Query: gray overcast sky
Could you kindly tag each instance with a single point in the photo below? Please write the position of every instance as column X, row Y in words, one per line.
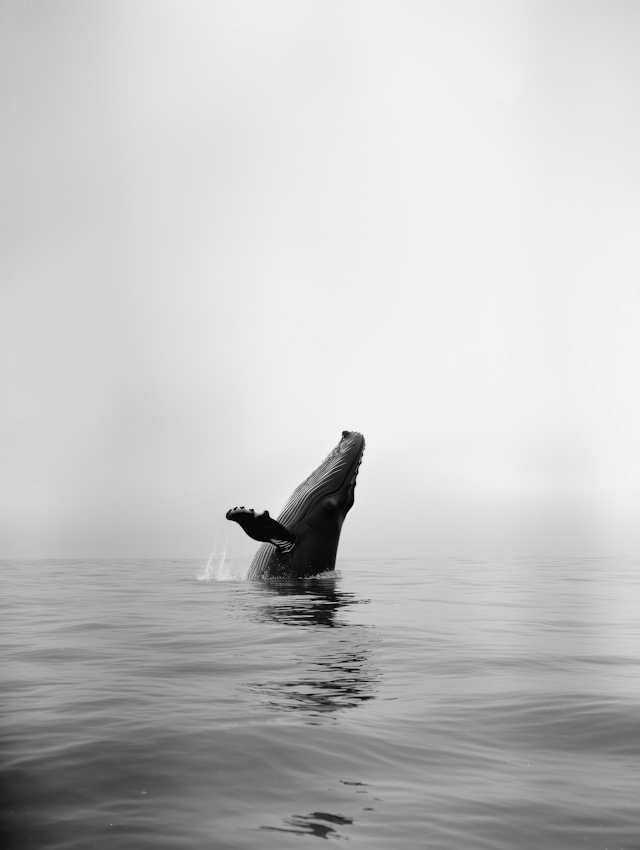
column 233, row 229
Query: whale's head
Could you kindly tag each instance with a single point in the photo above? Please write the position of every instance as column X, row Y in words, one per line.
column 326, row 496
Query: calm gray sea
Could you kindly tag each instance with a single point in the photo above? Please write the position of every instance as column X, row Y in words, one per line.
column 398, row 704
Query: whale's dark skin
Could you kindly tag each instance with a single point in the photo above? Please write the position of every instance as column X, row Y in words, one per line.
column 303, row 541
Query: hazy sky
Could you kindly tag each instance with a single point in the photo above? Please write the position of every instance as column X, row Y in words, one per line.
column 233, row 229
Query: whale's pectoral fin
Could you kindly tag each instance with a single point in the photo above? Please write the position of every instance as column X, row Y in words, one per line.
column 264, row 528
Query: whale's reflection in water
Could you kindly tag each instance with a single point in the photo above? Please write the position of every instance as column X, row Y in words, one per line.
column 307, row 603
column 331, row 671
column 315, row 823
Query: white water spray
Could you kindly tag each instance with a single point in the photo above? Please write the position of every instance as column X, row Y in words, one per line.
column 219, row 569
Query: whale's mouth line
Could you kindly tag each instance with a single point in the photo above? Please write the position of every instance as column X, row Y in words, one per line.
column 355, row 468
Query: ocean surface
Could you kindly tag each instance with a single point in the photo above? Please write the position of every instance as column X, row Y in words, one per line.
column 447, row 703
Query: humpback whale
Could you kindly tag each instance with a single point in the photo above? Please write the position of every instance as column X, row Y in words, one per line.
column 303, row 540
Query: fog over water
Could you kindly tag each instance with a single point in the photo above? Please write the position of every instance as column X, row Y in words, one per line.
column 232, row 230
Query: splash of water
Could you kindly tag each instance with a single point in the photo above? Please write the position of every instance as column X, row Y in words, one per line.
column 218, row 568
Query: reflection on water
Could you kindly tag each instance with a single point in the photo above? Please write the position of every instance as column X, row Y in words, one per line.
column 330, row 684
column 337, row 672
column 312, row 824
column 307, row 604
